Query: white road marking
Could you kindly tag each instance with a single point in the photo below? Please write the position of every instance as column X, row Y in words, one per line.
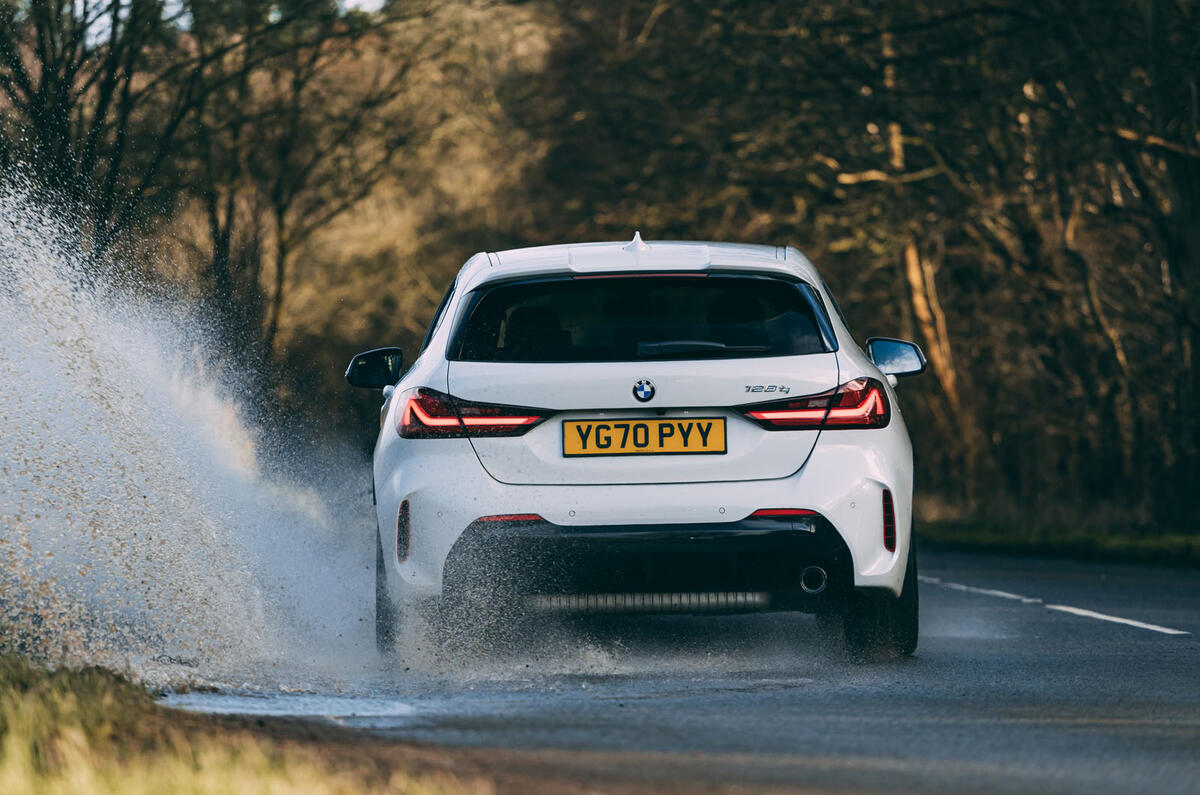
column 1030, row 600
column 1079, row 611
column 958, row 586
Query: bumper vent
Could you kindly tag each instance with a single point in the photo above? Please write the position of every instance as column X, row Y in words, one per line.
column 889, row 522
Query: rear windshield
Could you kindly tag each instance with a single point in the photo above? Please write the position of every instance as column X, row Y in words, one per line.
column 630, row 318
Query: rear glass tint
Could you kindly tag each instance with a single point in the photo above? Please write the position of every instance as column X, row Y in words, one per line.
column 625, row 318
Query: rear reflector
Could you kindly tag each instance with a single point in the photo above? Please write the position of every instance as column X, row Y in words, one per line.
column 889, row 522
column 783, row 512
column 511, row 517
column 402, row 532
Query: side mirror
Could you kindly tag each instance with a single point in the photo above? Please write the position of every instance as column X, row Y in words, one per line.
column 376, row 369
column 896, row 357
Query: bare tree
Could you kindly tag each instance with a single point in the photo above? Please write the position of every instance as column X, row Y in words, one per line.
column 98, row 95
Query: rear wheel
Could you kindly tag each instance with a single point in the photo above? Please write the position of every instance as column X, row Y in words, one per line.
column 884, row 627
column 480, row 620
column 385, row 612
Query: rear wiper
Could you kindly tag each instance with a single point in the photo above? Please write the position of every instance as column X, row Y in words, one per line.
column 677, row 347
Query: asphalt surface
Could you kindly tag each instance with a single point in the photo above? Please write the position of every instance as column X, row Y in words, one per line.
column 1012, row 689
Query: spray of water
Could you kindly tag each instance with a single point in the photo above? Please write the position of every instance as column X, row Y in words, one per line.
column 144, row 524
column 140, row 525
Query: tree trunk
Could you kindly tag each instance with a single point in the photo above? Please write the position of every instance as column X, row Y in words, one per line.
column 282, row 250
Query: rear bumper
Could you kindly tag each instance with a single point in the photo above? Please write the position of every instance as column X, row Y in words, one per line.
column 842, row 480
column 748, row 565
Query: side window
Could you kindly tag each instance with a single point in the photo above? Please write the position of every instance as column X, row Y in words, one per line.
column 821, row 313
column 437, row 315
column 832, row 300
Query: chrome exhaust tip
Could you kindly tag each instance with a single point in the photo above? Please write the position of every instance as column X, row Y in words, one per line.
column 813, row 580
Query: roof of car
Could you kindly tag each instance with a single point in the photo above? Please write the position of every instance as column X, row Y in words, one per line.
column 635, row 255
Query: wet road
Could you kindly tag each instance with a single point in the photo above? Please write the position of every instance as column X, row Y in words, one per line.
column 1031, row 675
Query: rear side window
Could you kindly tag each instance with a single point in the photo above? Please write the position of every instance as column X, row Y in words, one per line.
column 437, row 315
column 631, row 318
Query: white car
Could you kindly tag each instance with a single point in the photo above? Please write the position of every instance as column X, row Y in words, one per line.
column 646, row 428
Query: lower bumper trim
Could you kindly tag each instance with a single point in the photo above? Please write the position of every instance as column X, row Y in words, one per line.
column 749, row 565
column 697, row 601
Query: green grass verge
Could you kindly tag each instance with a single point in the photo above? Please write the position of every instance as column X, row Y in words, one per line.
column 1174, row 549
column 91, row 731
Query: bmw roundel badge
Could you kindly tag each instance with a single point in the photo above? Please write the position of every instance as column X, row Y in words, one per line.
column 643, row 390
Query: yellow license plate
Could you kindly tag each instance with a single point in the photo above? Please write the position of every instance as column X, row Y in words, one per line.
column 675, row 436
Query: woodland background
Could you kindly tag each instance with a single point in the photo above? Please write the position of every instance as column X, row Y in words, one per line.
column 1014, row 185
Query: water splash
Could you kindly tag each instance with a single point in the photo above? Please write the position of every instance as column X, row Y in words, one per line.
column 140, row 525
column 145, row 525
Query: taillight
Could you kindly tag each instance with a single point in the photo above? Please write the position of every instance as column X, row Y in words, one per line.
column 402, row 532
column 889, row 522
column 425, row 414
column 429, row 414
column 861, row 403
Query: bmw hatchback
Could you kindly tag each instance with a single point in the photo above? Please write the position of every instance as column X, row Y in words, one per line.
column 660, row 427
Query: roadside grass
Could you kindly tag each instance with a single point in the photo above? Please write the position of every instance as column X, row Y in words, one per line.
column 1083, row 542
column 92, row 731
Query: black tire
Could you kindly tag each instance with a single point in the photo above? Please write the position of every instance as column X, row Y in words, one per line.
column 884, row 627
column 478, row 625
column 386, row 620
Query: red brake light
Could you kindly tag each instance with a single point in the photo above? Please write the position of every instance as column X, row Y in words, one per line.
column 634, row 275
column 429, row 414
column 861, row 403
